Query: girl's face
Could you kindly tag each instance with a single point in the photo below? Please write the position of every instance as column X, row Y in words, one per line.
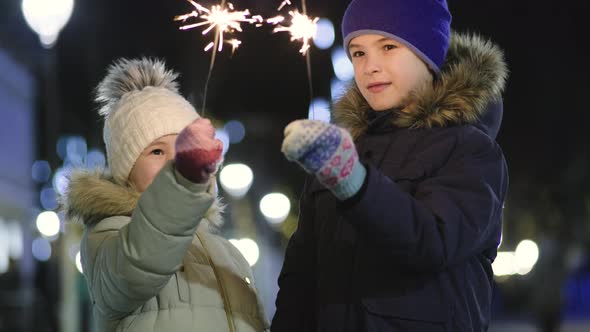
column 151, row 161
column 386, row 71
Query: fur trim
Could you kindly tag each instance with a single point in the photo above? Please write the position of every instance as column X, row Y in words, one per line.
column 125, row 76
column 93, row 196
column 473, row 75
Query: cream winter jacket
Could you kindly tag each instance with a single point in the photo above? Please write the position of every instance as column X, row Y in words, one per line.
column 151, row 261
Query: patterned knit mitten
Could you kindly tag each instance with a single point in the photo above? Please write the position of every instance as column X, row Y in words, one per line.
column 328, row 152
column 198, row 152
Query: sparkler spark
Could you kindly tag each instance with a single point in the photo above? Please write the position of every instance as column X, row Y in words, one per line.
column 302, row 28
column 225, row 20
column 283, row 4
column 276, row 20
column 235, row 43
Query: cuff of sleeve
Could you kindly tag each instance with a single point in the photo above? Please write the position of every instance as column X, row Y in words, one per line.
column 354, row 199
column 188, row 184
column 350, row 186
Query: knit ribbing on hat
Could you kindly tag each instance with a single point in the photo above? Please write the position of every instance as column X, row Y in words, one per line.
column 140, row 104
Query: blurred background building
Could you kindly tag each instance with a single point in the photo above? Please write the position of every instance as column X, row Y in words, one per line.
column 54, row 52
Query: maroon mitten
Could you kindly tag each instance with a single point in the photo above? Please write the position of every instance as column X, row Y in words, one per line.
column 198, row 152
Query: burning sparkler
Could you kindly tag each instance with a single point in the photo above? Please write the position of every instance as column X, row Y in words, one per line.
column 302, row 28
column 225, row 20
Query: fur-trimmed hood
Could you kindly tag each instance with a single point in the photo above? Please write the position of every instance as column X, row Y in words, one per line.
column 93, row 195
column 468, row 90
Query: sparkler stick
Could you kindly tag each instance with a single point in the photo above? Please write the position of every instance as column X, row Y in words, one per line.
column 308, row 65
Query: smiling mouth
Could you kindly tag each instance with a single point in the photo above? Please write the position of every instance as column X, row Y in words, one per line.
column 378, row 87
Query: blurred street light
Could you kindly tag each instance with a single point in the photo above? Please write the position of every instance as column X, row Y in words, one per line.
column 521, row 261
column 95, row 160
column 48, row 223
column 505, row 264
column 325, row 34
column 41, row 249
column 236, row 179
column 235, row 130
column 248, row 248
column 275, row 207
column 222, row 135
column 4, row 238
column 47, row 18
column 342, row 65
column 319, row 109
column 526, row 255
column 41, row 171
column 337, row 88
column 78, row 262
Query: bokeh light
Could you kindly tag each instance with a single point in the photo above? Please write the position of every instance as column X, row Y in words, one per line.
column 223, row 136
column 526, row 256
column 236, row 179
column 248, row 248
column 235, row 130
column 47, row 17
column 319, row 109
column 342, row 65
column 48, row 198
column 95, row 159
column 79, row 263
column 275, row 207
column 324, row 38
column 41, row 249
column 41, row 171
column 48, row 223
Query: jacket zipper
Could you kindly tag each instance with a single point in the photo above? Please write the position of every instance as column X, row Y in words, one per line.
column 226, row 303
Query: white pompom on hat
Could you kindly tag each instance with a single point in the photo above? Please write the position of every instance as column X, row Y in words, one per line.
column 140, row 103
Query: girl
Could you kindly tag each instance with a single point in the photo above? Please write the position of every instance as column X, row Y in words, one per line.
column 401, row 218
column 148, row 255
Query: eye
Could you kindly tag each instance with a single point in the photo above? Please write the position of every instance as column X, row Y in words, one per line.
column 389, row 47
column 357, row 54
column 157, row 152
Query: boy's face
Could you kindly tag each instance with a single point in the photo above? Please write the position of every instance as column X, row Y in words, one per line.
column 386, row 71
column 151, row 161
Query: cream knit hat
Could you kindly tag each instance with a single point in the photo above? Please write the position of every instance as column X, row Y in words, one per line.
column 141, row 103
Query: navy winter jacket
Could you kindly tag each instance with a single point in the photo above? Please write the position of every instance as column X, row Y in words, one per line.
column 412, row 251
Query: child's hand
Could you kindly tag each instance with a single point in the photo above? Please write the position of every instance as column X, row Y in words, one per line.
column 198, row 152
column 328, row 152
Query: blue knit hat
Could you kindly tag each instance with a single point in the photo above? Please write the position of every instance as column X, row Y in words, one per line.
column 421, row 25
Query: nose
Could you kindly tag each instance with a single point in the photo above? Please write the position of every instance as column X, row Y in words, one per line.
column 372, row 65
